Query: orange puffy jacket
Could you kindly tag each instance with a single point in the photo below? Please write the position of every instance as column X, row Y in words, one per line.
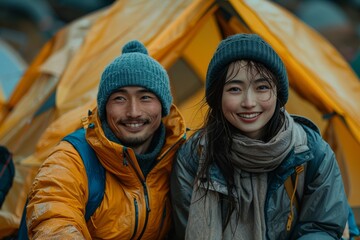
column 132, row 206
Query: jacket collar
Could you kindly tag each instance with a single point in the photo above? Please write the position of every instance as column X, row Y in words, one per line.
column 116, row 158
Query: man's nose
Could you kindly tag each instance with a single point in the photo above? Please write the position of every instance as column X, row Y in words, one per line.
column 133, row 109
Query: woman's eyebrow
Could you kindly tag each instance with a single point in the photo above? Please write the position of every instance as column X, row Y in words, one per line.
column 262, row 79
column 238, row 81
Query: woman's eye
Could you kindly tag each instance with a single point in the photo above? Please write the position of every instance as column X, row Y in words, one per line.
column 263, row 87
column 234, row 89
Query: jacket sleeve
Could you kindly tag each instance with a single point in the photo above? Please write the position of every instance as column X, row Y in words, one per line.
column 58, row 197
column 324, row 207
column 182, row 181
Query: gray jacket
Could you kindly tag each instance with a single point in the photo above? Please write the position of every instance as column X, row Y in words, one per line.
column 323, row 204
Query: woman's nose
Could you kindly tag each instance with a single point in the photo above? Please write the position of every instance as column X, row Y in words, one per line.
column 248, row 99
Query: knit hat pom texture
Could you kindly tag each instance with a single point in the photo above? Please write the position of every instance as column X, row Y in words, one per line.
column 133, row 47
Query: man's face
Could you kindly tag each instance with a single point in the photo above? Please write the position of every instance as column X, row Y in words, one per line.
column 134, row 114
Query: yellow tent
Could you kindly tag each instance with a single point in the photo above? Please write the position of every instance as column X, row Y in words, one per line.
column 61, row 84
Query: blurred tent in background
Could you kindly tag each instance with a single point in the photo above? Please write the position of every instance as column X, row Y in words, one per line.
column 60, row 85
column 28, row 25
column 12, row 67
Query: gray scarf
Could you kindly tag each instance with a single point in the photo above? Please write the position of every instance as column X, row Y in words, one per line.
column 252, row 160
column 256, row 156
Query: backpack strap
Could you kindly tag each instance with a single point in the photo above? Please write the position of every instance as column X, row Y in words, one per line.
column 7, row 173
column 291, row 189
column 22, row 232
column 94, row 170
column 96, row 178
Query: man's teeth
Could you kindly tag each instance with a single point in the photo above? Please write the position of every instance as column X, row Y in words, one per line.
column 134, row 125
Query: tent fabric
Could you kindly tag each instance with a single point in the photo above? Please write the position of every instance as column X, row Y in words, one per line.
column 12, row 67
column 70, row 64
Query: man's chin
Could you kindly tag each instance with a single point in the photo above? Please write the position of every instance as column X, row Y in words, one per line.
column 133, row 142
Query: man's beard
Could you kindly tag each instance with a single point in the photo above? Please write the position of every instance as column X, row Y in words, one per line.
column 133, row 142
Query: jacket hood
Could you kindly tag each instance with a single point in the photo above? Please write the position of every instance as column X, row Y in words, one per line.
column 116, row 158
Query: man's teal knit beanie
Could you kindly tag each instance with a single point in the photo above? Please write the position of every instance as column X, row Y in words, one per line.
column 134, row 67
column 248, row 47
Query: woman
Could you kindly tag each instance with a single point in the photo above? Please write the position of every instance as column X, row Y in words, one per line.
column 228, row 181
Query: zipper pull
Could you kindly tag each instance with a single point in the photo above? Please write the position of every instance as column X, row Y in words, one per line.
column 289, row 221
column 146, row 197
column 125, row 161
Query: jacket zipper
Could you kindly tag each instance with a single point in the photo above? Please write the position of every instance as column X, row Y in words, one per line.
column 163, row 217
column 136, row 217
column 146, row 195
column 145, row 187
column 143, row 182
column 147, row 208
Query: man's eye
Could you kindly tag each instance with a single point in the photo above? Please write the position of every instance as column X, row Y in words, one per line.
column 119, row 98
column 146, row 97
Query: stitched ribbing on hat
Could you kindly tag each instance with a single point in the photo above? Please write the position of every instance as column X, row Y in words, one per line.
column 152, row 81
column 248, row 47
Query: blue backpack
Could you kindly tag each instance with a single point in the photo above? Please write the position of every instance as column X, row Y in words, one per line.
column 7, row 173
column 94, row 170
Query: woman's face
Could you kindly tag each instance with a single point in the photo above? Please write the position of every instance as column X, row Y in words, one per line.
column 249, row 99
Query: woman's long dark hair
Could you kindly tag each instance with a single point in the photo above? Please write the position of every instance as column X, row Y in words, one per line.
column 219, row 131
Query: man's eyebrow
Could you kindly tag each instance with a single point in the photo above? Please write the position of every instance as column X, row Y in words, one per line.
column 144, row 90
column 120, row 90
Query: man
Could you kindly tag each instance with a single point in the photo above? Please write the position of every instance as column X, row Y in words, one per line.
column 135, row 133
